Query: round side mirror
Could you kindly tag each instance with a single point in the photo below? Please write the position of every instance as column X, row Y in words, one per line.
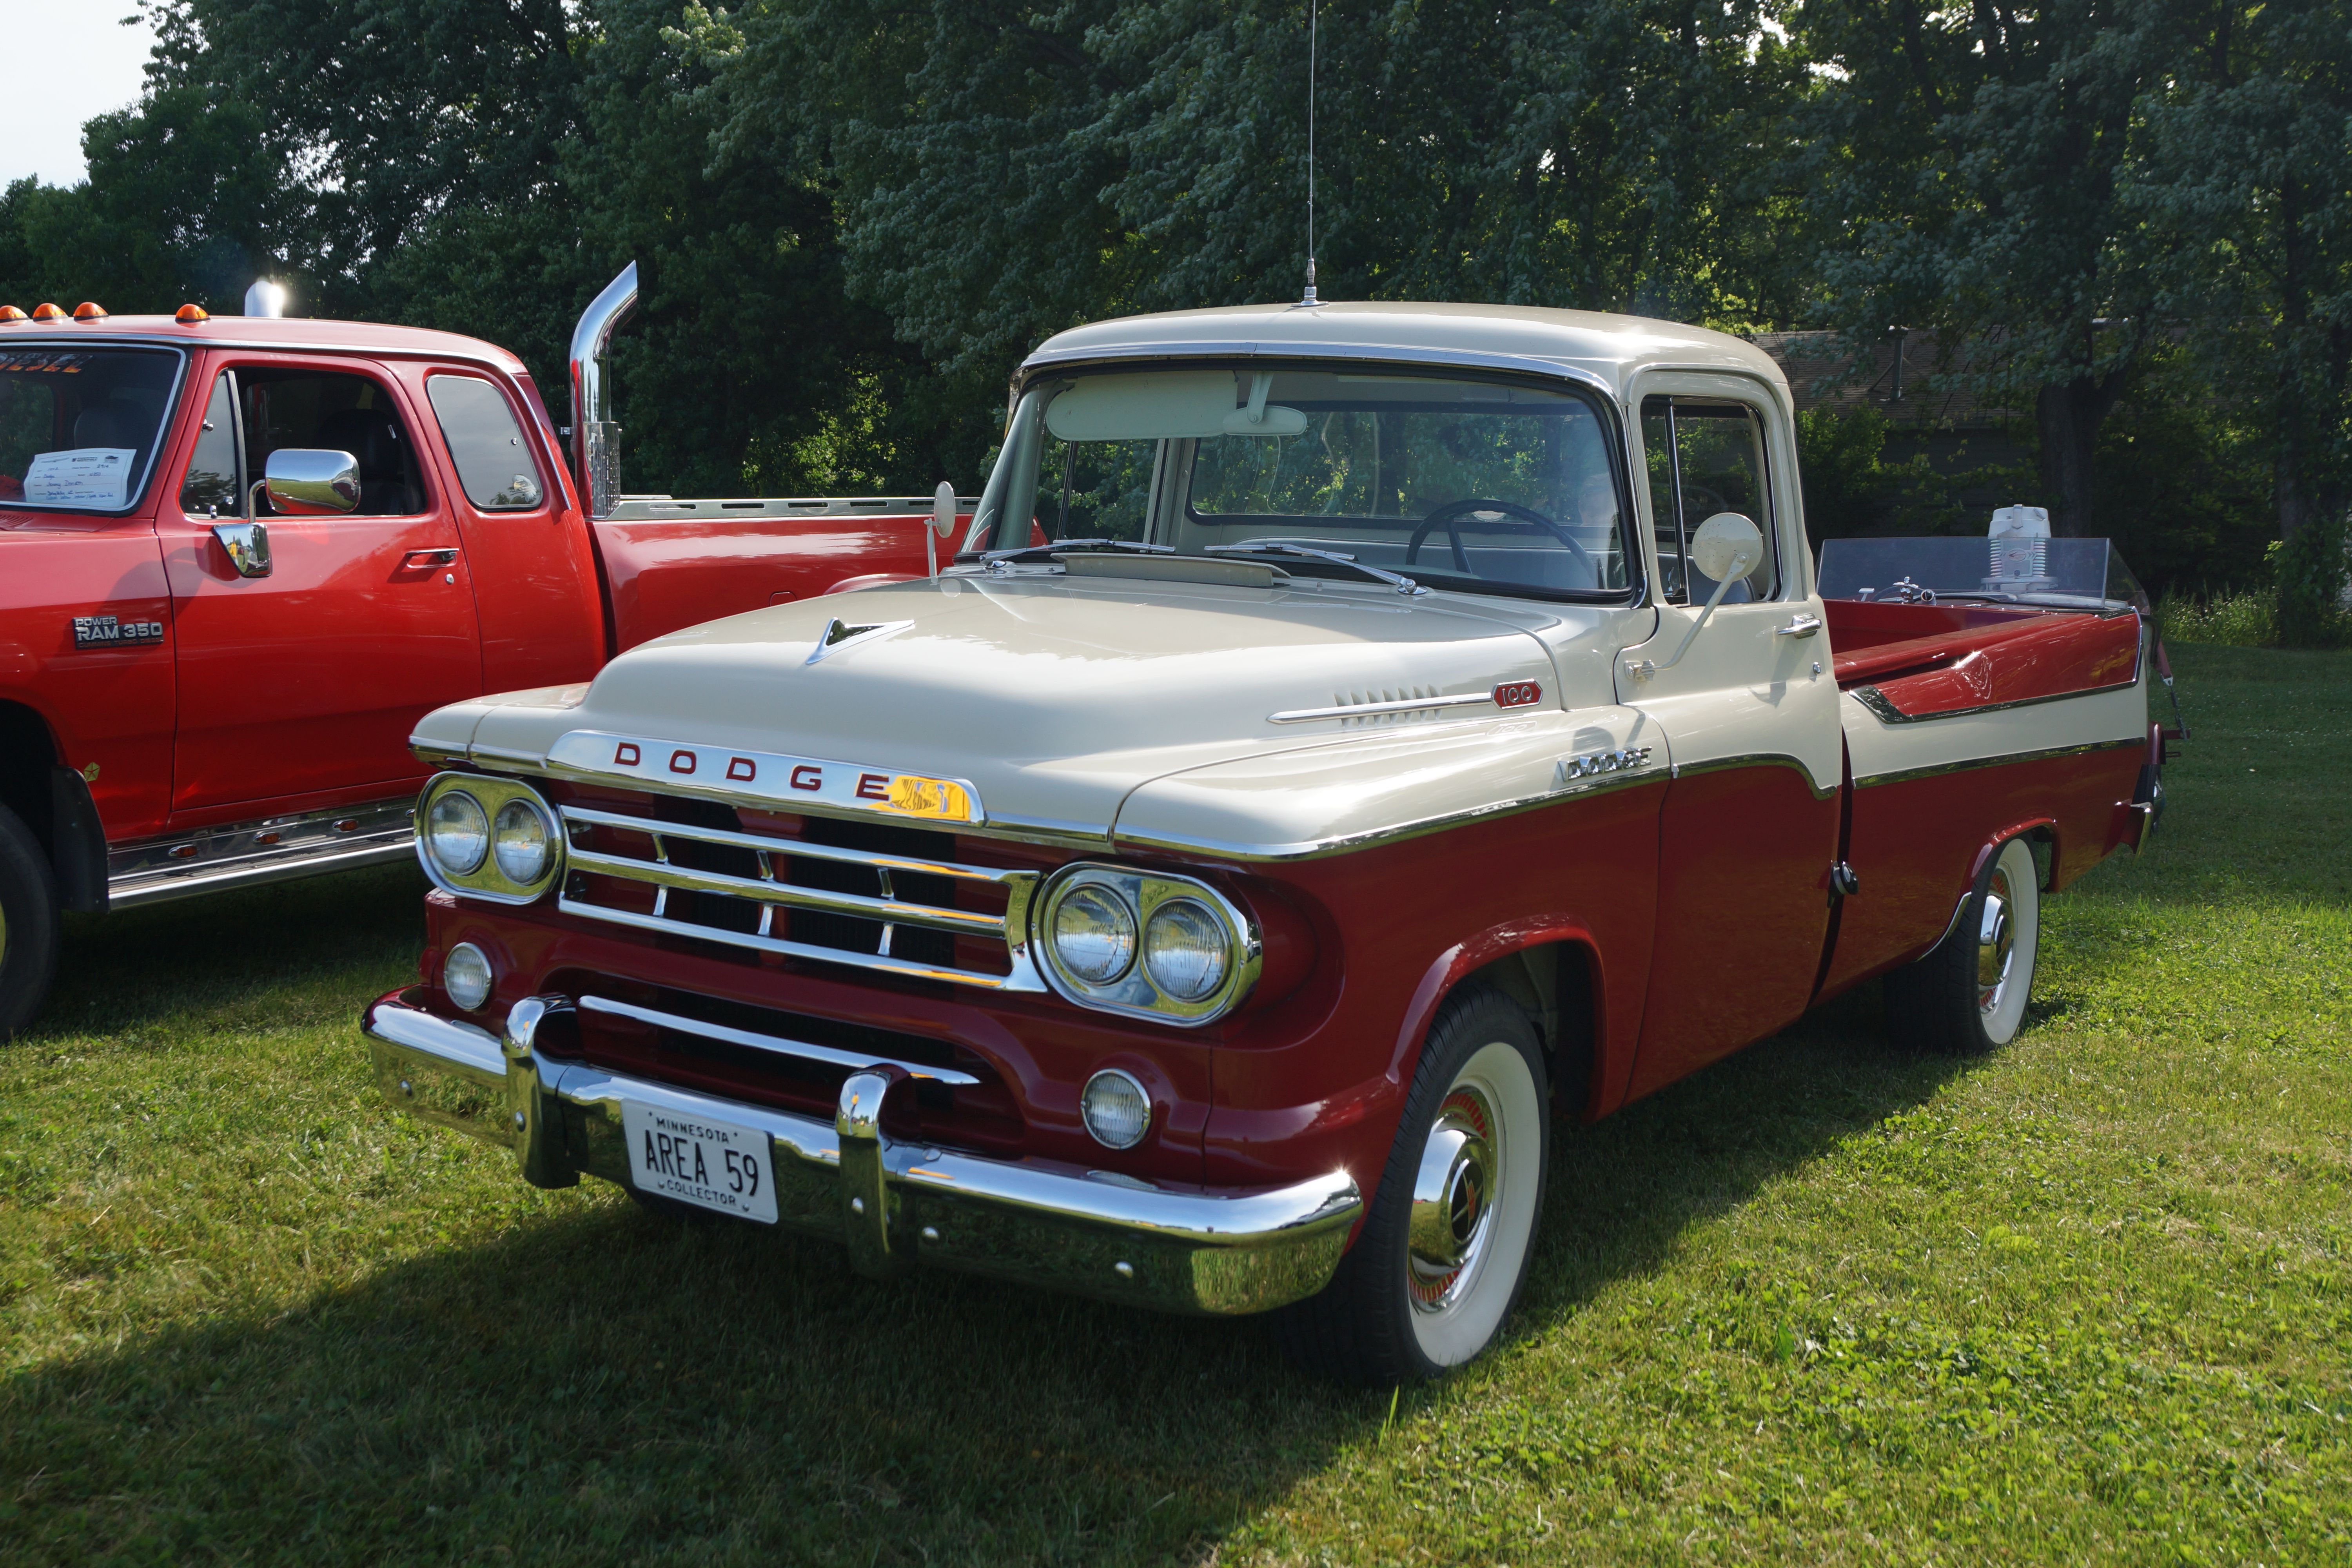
column 943, row 510
column 1726, row 545
column 312, row 481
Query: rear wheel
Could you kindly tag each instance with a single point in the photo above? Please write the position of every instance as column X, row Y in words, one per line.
column 28, row 924
column 1967, row 996
column 1443, row 1255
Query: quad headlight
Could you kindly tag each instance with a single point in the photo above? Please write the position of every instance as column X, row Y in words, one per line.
column 487, row 837
column 1144, row 943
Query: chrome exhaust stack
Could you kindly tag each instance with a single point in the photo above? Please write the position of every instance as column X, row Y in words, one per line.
column 595, row 438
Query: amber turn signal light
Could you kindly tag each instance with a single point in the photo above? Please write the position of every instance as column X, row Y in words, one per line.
column 90, row 310
column 45, row 312
column 10, row 313
column 190, row 315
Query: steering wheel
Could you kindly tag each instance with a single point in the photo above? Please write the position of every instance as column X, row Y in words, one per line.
column 1453, row 511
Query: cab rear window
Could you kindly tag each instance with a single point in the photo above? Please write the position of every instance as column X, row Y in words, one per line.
column 78, row 428
column 484, row 442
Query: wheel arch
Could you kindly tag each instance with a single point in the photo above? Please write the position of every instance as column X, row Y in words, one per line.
column 54, row 803
column 1552, row 968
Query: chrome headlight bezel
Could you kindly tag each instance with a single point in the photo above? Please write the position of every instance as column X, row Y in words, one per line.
column 487, row 881
column 1133, row 992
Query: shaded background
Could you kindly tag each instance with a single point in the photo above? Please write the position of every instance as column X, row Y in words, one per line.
column 2109, row 239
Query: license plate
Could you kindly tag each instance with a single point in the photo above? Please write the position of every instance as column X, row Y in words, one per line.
column 711, row 1165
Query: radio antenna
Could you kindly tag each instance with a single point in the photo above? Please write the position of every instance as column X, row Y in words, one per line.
column 1312, row 7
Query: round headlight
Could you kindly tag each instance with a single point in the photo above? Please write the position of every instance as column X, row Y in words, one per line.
column 1184, row 949
column 466, row 976
column 1094, row 935
column 457, row 832
column 1117, row 1110
column 522, row 842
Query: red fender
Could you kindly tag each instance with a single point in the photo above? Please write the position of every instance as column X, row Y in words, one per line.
column 1474, row 954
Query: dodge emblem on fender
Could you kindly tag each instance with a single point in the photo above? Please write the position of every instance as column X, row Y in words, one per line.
column 111, row 631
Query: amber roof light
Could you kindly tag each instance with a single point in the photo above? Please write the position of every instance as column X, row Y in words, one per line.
column 192, row 315
column 90, row 310
column 45, row 312
column 10, row 313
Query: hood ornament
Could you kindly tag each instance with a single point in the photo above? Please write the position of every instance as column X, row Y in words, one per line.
column 839, row 634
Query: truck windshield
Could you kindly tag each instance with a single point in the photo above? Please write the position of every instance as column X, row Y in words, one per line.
column 79, row 427
column 1486, row 486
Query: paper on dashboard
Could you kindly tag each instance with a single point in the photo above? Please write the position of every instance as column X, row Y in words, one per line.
column 91, row 476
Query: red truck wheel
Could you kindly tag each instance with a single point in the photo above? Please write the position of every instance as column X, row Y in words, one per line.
column 1443, row 1254
column 1967, row 996
column 29, row 925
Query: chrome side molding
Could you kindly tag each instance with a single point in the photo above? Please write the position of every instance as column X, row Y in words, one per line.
column 271, row 849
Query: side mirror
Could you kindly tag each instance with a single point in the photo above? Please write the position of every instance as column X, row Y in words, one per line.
column 943, row 519
column 311, row 481
column 1726, row 545
column 1725, row 548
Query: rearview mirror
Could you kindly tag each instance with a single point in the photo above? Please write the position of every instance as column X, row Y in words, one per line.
column 1726, row 545
column 311, row 481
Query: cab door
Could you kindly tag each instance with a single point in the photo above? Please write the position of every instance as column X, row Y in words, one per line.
column 1749, row 827
column 301, row 686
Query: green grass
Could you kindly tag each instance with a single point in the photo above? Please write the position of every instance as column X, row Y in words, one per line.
column 2086, row 1301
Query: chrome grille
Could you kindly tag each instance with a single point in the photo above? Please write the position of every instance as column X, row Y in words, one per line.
column 758, row 897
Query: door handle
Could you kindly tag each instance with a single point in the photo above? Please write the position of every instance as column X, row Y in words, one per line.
column 1802, row 627
column 417, row 560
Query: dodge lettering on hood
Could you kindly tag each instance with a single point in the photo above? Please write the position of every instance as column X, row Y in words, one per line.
column 1353, row 745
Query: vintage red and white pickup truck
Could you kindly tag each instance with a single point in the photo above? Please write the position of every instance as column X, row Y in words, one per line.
column 239, row 557
column 1425, row 721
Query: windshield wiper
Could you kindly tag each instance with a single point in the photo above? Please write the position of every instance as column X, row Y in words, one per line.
column 990, row 557
column 1402, row 585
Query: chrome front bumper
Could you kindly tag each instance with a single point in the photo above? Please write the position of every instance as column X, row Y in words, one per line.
column 894, row 1204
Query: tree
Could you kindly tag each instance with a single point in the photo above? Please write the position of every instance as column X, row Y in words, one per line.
column 2250, row 185
column 1006, row 171
column 1974, row 164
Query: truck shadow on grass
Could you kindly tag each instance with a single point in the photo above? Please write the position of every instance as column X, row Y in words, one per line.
column 597, row 1382
column 262, row 958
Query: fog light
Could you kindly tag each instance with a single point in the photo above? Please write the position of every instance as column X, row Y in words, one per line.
column 521, row 842
column 466, row 976
column 1094, row 935
column 1184, row 949
column 457, row 832
column 1117, row 1110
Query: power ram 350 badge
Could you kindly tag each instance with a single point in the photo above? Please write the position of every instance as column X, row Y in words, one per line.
column 112, row 631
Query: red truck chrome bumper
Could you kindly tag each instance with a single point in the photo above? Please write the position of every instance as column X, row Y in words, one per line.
column 895, row 1205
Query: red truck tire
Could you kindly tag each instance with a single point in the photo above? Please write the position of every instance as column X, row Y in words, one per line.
column 28, row 924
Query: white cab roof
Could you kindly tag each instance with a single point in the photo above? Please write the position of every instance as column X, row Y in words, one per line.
column 1611, row 349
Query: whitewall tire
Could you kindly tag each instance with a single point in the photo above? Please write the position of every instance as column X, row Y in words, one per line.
column 1969, row 994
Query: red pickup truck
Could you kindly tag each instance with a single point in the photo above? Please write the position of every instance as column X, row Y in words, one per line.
column 240, row 557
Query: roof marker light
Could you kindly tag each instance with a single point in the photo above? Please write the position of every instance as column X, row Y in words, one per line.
column 90, row 310
column 192, row 315
column 10, row 313
column 45, row 312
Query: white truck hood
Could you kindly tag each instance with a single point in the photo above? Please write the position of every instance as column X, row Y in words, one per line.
column 1053, row 699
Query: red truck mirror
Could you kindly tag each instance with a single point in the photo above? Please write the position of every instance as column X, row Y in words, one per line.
column 310, row 481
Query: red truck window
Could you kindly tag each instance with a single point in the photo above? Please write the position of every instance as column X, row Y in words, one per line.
column 343, row 412
column 79, row 427
column 210, row 488
column 486, row 443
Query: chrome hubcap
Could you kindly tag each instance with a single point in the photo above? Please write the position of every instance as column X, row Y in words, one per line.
column 1995, row 944
column 1452, row 1194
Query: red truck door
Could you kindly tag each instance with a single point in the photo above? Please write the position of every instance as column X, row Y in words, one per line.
column 1749, row 827
column 300, row 688
column 534, row 569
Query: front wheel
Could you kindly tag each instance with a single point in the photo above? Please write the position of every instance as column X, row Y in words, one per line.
column 1443, row 1254
column 1967, row 996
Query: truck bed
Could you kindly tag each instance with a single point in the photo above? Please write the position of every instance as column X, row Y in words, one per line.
column 1917, row 661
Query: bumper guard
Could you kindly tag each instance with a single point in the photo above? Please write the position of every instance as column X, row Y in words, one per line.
column 895, row 1205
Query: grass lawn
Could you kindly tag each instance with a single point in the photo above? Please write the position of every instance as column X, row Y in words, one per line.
column 2088, row 1300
